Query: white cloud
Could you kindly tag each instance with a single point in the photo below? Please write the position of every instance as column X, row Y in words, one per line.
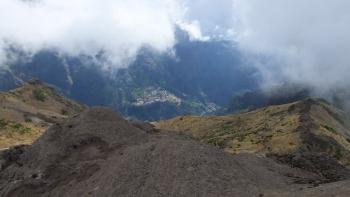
column 214, row 17
column 308, row 40
column 194, row 30
column 117, row 27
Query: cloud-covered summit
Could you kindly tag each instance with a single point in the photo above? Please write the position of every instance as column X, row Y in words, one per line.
column 118, row 28
column 301, row 41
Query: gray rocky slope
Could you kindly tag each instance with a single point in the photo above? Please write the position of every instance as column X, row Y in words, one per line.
column 98, row 153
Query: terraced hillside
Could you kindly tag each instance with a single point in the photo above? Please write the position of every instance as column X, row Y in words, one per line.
column 29, row 110
column 308, row 126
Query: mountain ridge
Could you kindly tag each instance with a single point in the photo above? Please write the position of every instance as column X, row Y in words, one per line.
column 310, row 125
column 99, row 153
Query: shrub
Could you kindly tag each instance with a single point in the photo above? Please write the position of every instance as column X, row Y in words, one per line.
column 64, row 112
column 39, row 95
column 17, row 126
column 339, row 154
column 216, row 142
column 330, row 129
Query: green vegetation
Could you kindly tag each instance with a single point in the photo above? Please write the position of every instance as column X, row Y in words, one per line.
column 39, row 95
column 330, row 129
column 16, row 127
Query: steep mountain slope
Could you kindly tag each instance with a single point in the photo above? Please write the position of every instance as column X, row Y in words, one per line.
column 29, row 110
column 99, row 154
column 307, row 126
column 200, row 79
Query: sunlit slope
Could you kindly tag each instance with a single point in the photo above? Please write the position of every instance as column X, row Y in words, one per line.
column 27, row 111
column 310, row 125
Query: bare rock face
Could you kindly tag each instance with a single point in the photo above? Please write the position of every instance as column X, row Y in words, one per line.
column 98, row 153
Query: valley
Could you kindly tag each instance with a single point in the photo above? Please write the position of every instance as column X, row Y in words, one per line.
column 300, row 148
column 153, row 87
column 174, row 98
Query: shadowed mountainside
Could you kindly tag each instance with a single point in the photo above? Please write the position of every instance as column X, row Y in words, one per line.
column 199, row 79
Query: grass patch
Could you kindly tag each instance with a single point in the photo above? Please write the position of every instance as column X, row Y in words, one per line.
column 14, row 127
column 17, row 127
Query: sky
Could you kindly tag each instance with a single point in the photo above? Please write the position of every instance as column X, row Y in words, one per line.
column 305, row 41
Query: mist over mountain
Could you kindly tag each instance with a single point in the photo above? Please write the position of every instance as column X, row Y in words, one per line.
column 200, row 78
column 293, row 42
column 215, row 98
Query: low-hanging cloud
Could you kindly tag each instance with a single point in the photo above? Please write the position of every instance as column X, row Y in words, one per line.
column 116, row 27
column 308, row 41
column 300, row 41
